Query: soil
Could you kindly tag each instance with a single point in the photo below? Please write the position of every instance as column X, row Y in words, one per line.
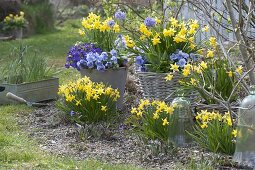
column 112, row 144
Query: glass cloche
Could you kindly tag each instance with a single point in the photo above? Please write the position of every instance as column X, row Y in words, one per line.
column 182, row 121
column 245, row 140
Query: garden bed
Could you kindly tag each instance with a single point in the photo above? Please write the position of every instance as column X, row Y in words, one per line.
column 116, row 145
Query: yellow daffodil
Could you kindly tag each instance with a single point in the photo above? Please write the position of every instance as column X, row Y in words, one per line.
column 169, row 77
column 133, row 110
column 70, row 98
column 165, row 122
column 193, row 81
column 210, row 53
column 239, row 70
column 205, row 28
column 234, row 133
column 139, row 113
column 156, row 40
column 78, row 103
column 170, row 109
column 230, row 73
column 204, row 125
column 203, row 65
column 185, row 72
column 212, row 41
column 173, row 22
column 168, row 32
column 104, row 108
column 158, row 21
column 174, row 67
column 155, row 115
column 116, row 28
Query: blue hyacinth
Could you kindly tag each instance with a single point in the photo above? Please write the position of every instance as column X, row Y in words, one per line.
column 149, row 22
column 120, row 15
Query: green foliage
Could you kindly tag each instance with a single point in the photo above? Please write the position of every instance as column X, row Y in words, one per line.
column 153, row 120
column 25, row 68
column 214, row 132
column 217, row 78
column 87, row 101
column 40, row 16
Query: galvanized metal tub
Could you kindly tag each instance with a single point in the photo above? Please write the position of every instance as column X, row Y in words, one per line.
column 116, row 78
column 33, row 91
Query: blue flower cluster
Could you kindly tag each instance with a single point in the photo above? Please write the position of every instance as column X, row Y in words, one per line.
column 88, row 56
column 111, row 23
column 140, row 62
column 182, row 58
column 120, row 15
column 120, row 42
column 149, row 22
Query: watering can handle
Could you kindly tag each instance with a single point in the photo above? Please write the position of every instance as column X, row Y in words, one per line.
column 12, row 96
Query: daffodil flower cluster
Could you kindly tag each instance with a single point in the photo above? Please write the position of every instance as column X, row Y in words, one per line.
column 13, row 21
column 88, row 101
column 205, row 117
column 153, row 118
column 163, row 45
column 215, row 131
column 214, row 75
column 101, row 32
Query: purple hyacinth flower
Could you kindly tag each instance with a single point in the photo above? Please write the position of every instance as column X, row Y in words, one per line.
column 111, row 23
column 181, row 62
column 149, row 22
column 139, row 60
column 120, row 15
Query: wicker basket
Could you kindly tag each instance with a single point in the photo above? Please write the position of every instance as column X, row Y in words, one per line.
column 154, row 86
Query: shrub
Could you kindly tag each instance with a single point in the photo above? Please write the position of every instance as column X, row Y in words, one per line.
column 88, row 102
column 40, row 16
column 214, row 132
column 153, row 120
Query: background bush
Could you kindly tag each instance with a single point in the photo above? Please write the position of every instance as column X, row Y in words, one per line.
column 40, row 15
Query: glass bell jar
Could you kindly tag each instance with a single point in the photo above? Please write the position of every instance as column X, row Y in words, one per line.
column 182, row 122
column 245, row 140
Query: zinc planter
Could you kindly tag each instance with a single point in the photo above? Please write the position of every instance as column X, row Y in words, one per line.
column 116, row 78
column 32, row 92
column 18, row 33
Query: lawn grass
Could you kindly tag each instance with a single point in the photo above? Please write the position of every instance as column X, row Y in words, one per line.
column 53, row 46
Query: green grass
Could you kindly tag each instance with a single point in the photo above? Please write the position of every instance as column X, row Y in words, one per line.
column 53, row 46
column 19, row 151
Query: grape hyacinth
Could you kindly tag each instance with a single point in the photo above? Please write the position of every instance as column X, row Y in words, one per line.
column 120, row 15
column 149, row 22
